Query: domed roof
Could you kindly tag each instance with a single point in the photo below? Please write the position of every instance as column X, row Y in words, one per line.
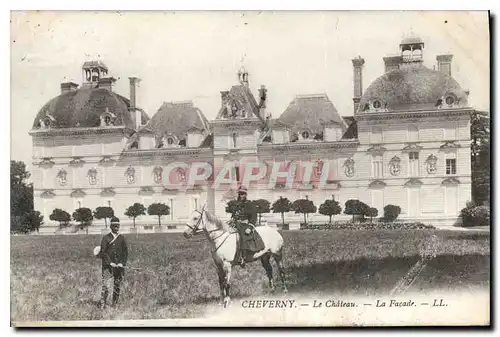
column 412, row 40
column 84, row 107
column 311, row 112
column 411, row 88
column 177, row 118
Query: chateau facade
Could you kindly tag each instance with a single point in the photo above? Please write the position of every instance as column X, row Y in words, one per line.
column 407, row 144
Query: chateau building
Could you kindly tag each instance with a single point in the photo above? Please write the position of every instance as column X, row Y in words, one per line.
column 407, row 144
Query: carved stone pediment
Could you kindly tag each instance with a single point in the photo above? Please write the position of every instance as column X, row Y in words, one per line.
column 449, row 146
column 47, row 194
column 377, row 184
column 108, row 192
column 410, row 147
column 77, row 193
column 413, row 182
column 146, row 190
column 76, row 161
column 106, row 160
column 376, row 149
column 450, row 181
column 170, row 190
column 47, row 161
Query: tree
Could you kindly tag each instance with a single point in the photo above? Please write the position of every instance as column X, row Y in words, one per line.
column 104, row 213
column 355, row 207
column 159, row 210
column 84, row 216
column 262, row 206
column 303, row 206
column 282, row 206
column 480, row 157
column 135, row 211
column 391, row 212
column 60, row 216
column 330, row 208
column 21, row 200
column 231, row 206
column 33, row 220
column 372, row 212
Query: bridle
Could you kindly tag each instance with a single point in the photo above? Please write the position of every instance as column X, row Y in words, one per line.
column 196, row 228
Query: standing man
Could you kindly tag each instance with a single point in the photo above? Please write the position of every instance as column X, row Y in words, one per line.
column 114, row 254
column 245, row 216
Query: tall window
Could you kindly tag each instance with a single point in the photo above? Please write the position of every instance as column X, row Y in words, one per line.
column 413, row 133
column 377, row 167
column 237, row 173
column 414, row 164
column 234, row 140
column 451, row 166
column 171, row 209
column 195, row 203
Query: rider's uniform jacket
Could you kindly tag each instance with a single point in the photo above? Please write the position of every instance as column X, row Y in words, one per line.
column 245, row 210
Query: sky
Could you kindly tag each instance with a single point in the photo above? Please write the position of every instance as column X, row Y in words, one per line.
column 195, row 55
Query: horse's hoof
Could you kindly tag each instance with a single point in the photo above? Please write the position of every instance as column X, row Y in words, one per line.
column 285, row 291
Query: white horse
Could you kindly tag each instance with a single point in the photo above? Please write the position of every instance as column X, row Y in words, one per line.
column 224, row 246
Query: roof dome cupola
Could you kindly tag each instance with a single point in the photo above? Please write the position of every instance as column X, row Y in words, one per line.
column 411, row 49
column 92, row 71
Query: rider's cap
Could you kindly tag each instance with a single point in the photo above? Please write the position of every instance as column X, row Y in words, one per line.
column 242, row 190
column 115, row 220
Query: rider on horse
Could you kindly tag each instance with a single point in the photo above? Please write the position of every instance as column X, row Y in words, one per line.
column 244, row 218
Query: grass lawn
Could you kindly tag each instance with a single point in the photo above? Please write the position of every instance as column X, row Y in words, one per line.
column 57, row 277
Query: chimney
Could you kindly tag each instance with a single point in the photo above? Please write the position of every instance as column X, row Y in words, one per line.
column 262, row 103
column 444, row 63
column 136, row 113
column 357, row 64
column 68, row 86
column 106, row 83
column 392, row 63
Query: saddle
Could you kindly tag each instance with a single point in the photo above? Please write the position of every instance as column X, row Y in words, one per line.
column 249, row 237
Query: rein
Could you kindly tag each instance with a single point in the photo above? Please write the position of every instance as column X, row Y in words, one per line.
column 197, row 229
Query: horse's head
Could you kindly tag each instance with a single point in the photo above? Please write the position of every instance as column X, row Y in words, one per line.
column 196, row 224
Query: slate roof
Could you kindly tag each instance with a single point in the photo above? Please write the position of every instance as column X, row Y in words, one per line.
column 411, row 88
column 84, row 107
column 352, row 129
column 311, row 112
column 177, row 118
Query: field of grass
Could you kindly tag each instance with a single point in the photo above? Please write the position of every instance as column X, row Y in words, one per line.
column 57, row 278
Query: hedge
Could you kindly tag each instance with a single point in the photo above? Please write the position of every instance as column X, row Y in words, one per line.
column 362, row 226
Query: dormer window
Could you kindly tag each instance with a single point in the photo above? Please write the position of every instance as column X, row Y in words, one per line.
column 47, row 122
column 305, row 135
column 170, row 141
column 107, row 118
column 450, row 100
column 377, row 104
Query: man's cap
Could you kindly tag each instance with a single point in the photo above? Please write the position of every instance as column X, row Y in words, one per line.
column 115, row 220
column 242, row 190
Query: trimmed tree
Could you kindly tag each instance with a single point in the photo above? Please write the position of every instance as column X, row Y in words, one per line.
column 282, row 206
column 355, row 207
column 304, row 206
column 104, row 213
column 33, row 220
column 135, row 211
column 231, row 206
column 330, row 208
column 372, row 212
column 391, row 213
column 60, row 216
column 262, row 206
column 84, row 216
column 158, row 209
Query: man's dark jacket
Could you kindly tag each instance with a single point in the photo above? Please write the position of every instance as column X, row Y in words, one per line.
column 245, row 210
column 116, row 252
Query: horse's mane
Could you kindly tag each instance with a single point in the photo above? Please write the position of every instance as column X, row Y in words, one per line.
column 218, row 222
